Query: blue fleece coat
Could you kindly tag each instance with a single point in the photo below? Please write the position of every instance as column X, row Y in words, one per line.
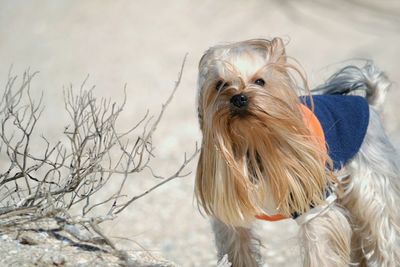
column 344, row 120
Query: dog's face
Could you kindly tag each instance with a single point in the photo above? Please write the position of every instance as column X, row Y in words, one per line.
column 256, row 148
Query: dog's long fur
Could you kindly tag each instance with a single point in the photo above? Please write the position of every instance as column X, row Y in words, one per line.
column 271, row 145
column 266, row 159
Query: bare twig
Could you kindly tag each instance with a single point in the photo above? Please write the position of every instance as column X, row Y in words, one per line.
column 166, row 180
column 91, row 153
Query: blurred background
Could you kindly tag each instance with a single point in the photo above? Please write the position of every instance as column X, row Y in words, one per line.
column 142, row 43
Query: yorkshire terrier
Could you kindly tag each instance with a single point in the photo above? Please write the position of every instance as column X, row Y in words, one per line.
column 273, row 149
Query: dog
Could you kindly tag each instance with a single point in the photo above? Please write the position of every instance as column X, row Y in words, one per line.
column 273, row 149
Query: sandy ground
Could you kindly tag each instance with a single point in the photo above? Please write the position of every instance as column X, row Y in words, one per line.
column 142, row 43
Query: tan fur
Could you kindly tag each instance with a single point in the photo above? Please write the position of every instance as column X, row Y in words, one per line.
column 231, row 183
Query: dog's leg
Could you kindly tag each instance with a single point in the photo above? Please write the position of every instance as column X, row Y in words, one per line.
column 326, row 239
column 238, row 243
column 373, row 198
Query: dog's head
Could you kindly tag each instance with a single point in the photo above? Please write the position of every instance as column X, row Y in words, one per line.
column 256, row 147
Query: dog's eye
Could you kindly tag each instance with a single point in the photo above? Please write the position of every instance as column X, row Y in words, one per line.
column 260, row 82
column 221, row 85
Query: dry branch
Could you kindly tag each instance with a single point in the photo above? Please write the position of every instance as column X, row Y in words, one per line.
column 70, row 172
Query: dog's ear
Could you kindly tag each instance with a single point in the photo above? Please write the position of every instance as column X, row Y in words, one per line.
column 278, row 50
column 201, row 79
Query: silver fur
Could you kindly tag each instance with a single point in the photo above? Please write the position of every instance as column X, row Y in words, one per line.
column 227, row 238
column 367, row 81
column 373, row 196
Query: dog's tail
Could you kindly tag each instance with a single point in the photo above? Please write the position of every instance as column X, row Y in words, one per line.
column 367, row 81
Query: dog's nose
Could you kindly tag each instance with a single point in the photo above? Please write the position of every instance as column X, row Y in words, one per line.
column 239, row 101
